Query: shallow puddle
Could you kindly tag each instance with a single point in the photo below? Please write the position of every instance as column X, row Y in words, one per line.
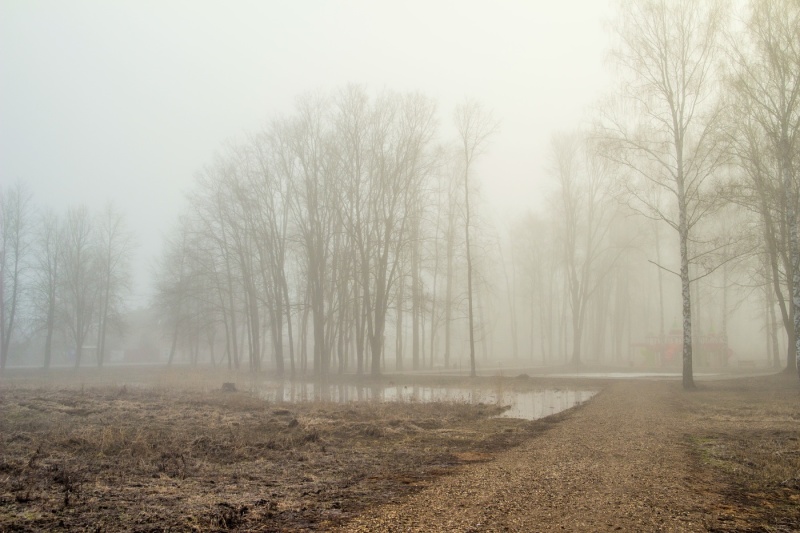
column 529, row 405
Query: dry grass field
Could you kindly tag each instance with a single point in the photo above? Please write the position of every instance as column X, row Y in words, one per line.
column 747, row 432
column 183, row 456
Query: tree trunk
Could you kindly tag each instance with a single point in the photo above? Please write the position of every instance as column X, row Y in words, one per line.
column 376, row 341
column 688, row 376
column 398, row 365
column 416, row 300
column 472, row 372
column 512, row 310
column 793, row 364
column 102, row 324
column 51, row 319
column 254, row 325
column 661, row 332
column 174, row 345
column 7, row 328
column 304, row 335
column 288, row 304
column 361, row 325
column 772, row 323
column 448, row 294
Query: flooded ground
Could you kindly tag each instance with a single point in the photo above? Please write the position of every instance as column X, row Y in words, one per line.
column 169, row 449
column 528, row 405
column 185, row 455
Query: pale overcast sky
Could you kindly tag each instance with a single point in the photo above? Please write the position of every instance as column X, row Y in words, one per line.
column 124, row 101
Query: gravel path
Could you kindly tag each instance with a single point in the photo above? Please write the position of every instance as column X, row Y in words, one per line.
column 620, row 462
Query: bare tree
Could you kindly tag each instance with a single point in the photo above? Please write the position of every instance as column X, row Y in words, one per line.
column 47, row 277
column 453, row 208
column 15, row 232
column 440, row 212
column 511, row 291
column 115, row 246
column 79, row 282
column 401, row 130
column 352, row 119
column 670, row 51
column 767, row 79
column 761, row 190
column 233, row 173
column 183, row 288
column 474, row 125
column 210, row 204
column 332, row 199
column 273, row 189
column 585, row 214
column 314, row 214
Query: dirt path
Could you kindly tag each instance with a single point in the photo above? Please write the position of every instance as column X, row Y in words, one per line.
column 622, row 462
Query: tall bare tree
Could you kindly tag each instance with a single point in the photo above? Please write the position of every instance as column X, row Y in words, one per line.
column 177, row 282
column 115, row 248
column 210, row 204
column 15, row 234
column 47, row 277
column 401, row 130
column 233, row 172
column 767, row 79
column 585, row 214
column 453, row 204
column 474, row 125
column 669, row 52
column 314, row 212
column 79, row 282
column 273, row 188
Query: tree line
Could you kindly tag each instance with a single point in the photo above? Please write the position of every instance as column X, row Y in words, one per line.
column 63, row 277
column 312, row 243
column 307, row 239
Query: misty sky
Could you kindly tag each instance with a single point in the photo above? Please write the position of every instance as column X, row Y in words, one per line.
column 124, row 101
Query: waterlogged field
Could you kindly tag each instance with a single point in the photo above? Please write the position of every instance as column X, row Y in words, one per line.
column 173, row 451
column 151, row 450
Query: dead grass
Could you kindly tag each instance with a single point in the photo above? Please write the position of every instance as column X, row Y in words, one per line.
column 137, row 457
column 751, row 436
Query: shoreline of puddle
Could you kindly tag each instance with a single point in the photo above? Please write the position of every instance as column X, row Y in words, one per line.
column 527, row 405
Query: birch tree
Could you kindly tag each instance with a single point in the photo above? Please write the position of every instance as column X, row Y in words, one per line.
column 668, row 52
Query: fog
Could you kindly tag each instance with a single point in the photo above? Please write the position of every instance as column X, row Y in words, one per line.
column 140, row 113
column 125, row 102
column 351, row 265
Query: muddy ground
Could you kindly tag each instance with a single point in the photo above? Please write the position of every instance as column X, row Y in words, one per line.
column 155, row 451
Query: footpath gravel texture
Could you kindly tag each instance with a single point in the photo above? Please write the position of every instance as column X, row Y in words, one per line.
column 621, row 462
